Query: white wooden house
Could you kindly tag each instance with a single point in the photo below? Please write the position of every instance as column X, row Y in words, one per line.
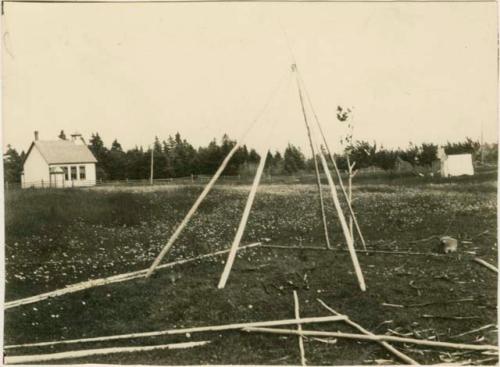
column 59, row 163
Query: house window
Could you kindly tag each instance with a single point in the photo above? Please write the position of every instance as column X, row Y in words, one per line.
column 73, row 172
column 65, row 170
column 82, row 173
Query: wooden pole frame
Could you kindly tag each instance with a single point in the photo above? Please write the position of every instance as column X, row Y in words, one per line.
column 316, row 167
column 243, row 222
column 191, row 211
column 337, row 171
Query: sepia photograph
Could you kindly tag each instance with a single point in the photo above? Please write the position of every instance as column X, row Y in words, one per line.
column 237, row 182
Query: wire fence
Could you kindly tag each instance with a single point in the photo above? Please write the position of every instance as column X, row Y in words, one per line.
column 174, row 181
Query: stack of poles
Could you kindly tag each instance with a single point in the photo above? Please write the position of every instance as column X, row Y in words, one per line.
column 333, row 190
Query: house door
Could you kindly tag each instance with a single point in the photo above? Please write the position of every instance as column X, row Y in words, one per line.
column 56, row 180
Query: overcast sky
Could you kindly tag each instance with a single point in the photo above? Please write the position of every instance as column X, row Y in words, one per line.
column 412, row 72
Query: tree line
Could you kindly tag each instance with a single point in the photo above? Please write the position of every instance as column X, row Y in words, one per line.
column 176, row 157
column 372, row 155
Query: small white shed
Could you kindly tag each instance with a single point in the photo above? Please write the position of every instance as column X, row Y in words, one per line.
column 59, row 163
column 455, row 164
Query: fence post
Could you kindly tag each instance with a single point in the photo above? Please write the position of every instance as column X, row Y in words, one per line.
column 42, row 184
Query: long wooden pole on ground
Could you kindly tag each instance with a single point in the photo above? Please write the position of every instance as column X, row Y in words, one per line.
column 191, row 212
column 31, row 358
column 345, row 228
column 306, row 320
column 386, row 345
column 243, row 222
column 299, row 328
column 357, row 251
column 375, row 338
column 315, row 159
column 112, row 279
column 337, row 171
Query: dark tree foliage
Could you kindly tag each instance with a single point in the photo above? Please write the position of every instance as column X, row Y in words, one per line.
column 467, row 146
column 115, row 162
column 137, row 163
column 12, row 165
column 253, row 156
column 96, row 146
column 427, row 154
column 294, row 160
column 490, row 152
column 410, row 155
column 274, row 164
column 363, row 153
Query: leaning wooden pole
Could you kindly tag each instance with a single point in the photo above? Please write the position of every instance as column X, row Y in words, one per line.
column 349, row 193
column 191, row 212
column 316, row 167
column 356, row 224
column 345, row 228
column 243, row 222
column 337, row 171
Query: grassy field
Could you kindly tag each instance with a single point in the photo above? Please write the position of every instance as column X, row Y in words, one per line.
column 56, row 238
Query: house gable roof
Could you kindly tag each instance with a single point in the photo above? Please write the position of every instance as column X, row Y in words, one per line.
column 62, row 152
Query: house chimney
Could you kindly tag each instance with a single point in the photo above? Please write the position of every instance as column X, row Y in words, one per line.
column 36, row 135
column 77, row 138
